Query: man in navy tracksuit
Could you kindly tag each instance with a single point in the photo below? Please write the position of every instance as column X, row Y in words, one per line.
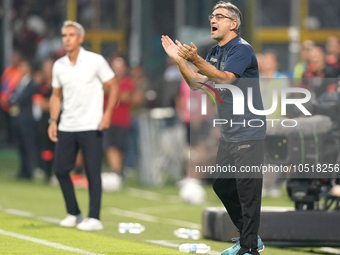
column 232, row 61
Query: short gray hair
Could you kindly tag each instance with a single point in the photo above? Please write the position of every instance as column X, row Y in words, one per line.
column 70, row 23
column 234, row 13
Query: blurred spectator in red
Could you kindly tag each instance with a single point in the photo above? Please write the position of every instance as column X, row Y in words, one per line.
column 115, row 136
column 24, row 123
column 318, row 68
column 304, row 59
column 9, row 80
column 333, row 51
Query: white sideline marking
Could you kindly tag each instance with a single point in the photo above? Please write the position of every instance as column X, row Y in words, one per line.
column 330, row 250
column 18, row 212
column 30, row 215
column 49, row 219
column 47, row 243
column 151, row 218
column 146, row 194
column 174, row 245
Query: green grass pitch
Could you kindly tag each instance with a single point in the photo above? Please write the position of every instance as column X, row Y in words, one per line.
column 31, row 209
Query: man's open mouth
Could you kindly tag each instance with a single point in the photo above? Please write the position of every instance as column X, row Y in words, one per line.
column 213, row 29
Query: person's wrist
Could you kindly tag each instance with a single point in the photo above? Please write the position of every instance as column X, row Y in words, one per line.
column 52, row 120
column 178, row 60
column 107, row 114
column 195, row 59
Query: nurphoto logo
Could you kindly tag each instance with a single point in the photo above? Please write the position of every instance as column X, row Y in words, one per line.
column 239, row 103
column 238, row 99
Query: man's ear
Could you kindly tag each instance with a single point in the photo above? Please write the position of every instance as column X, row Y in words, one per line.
column 81, row 39
column 233, row 25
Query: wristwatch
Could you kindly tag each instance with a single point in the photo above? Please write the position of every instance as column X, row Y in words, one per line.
column 51, row 120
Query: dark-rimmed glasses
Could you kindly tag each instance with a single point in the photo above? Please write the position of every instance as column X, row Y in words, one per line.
column 218, row 17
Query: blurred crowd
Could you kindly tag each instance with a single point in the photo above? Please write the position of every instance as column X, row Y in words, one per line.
column 35, row 30
column 25, row 93
column 26, row 88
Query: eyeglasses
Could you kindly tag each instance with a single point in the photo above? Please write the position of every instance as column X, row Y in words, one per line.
column 218, row 17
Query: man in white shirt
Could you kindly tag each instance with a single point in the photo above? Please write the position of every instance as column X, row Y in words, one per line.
column 79, row 81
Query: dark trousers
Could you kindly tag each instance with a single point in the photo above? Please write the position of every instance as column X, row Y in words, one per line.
column 25, row 129
column 90, row 143
column 6, row 126
column 240, row 192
